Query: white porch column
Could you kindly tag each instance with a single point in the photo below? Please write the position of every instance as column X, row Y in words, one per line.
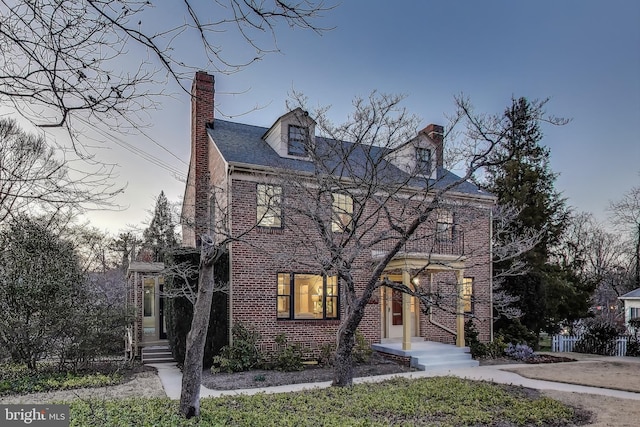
column 460, row 308
column 406, row 312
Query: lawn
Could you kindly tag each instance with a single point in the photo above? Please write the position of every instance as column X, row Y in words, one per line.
column 443, row 401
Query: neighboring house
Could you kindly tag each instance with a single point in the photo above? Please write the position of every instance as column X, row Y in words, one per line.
column 276, row 296
column 631, row 302
column 144, row 284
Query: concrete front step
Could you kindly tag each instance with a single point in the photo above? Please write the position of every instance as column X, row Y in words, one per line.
column 432, row 366
column 428, row 356
column 157, row 354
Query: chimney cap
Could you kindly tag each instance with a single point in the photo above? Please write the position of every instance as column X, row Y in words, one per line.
column 433, row 128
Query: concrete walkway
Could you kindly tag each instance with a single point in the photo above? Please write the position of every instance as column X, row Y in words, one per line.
column 171, row 379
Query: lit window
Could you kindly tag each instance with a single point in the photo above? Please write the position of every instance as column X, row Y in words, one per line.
column 342, row 207
column 307, row 296
column 423, row 156
column 467, row 294
column 284, row 296
column 298, row 137
column 269, row 211
column 444, row 225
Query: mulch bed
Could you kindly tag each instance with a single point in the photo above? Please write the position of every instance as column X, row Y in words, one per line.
column 537, row 359
column 547, row 358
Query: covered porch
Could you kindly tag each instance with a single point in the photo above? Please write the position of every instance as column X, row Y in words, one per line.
column 147, row 333
column 400, row 312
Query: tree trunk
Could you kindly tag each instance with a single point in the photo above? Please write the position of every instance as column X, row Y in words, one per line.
column 343, row 363
column 192, row 369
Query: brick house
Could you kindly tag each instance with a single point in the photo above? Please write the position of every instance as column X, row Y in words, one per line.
column 279, row 294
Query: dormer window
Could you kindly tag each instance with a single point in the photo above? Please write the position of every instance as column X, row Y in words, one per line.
column 298, row 136
column 423, row 157
column 292, row 135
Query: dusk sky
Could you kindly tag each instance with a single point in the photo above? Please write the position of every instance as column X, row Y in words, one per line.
column 582, row 54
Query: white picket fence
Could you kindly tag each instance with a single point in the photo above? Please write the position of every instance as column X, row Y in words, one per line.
column 565, row 343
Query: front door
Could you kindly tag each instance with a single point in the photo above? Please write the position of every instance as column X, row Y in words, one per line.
column 394, row 318
column 153, row 321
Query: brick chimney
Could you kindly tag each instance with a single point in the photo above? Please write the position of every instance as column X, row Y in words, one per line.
column 202, row 109
column 436, row 134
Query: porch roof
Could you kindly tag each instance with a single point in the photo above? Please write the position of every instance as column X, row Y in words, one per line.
column 421, row 260
column 146, row 267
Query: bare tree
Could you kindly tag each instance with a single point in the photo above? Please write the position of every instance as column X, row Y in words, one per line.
column 626, row 214
column 32, row 176
column 214, row 246
column 386, row 211
column 71, row 63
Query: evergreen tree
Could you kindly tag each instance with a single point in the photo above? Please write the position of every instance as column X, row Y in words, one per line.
column 41, row 284
column 160, row 236
column 523, row 179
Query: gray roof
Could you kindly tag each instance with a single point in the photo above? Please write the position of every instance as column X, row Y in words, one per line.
column 244, row 144
column 631, row 295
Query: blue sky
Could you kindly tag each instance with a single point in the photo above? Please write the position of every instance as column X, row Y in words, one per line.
column 584, row 55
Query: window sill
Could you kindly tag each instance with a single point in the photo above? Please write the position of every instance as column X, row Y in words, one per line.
column 311, row 322
column 270, row 230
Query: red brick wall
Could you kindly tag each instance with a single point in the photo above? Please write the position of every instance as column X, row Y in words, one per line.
column 254, row 276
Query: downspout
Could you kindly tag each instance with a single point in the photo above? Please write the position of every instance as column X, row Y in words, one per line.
column 491, row 275
column 230, row 286
column 138, row 315
column 433, row 322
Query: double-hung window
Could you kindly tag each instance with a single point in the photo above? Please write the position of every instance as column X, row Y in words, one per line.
column 635, row 313
column 307, row 296
column 444, row 225
column 269, row 209
column 298, row 138
column 342, row 212
column 423, row 157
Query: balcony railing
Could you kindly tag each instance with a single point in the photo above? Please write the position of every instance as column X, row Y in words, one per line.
column 450, row 242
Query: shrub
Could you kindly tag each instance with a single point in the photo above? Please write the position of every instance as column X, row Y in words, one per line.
column 516, row 332
column 179, row 310
column 242, row 355
column 327, row 354
column 495, row 348
column 599, row 338
column 288, row 357
column 362, row 350
column 633, row 347
column 519, row 351
column 478, row 349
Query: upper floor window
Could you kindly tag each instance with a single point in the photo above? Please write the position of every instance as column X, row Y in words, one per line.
column 423, row 156
column 467, row 294
column 307, row 296
column 444, row 225
column 342, row 211
column 298, row 136
column 269, row 208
